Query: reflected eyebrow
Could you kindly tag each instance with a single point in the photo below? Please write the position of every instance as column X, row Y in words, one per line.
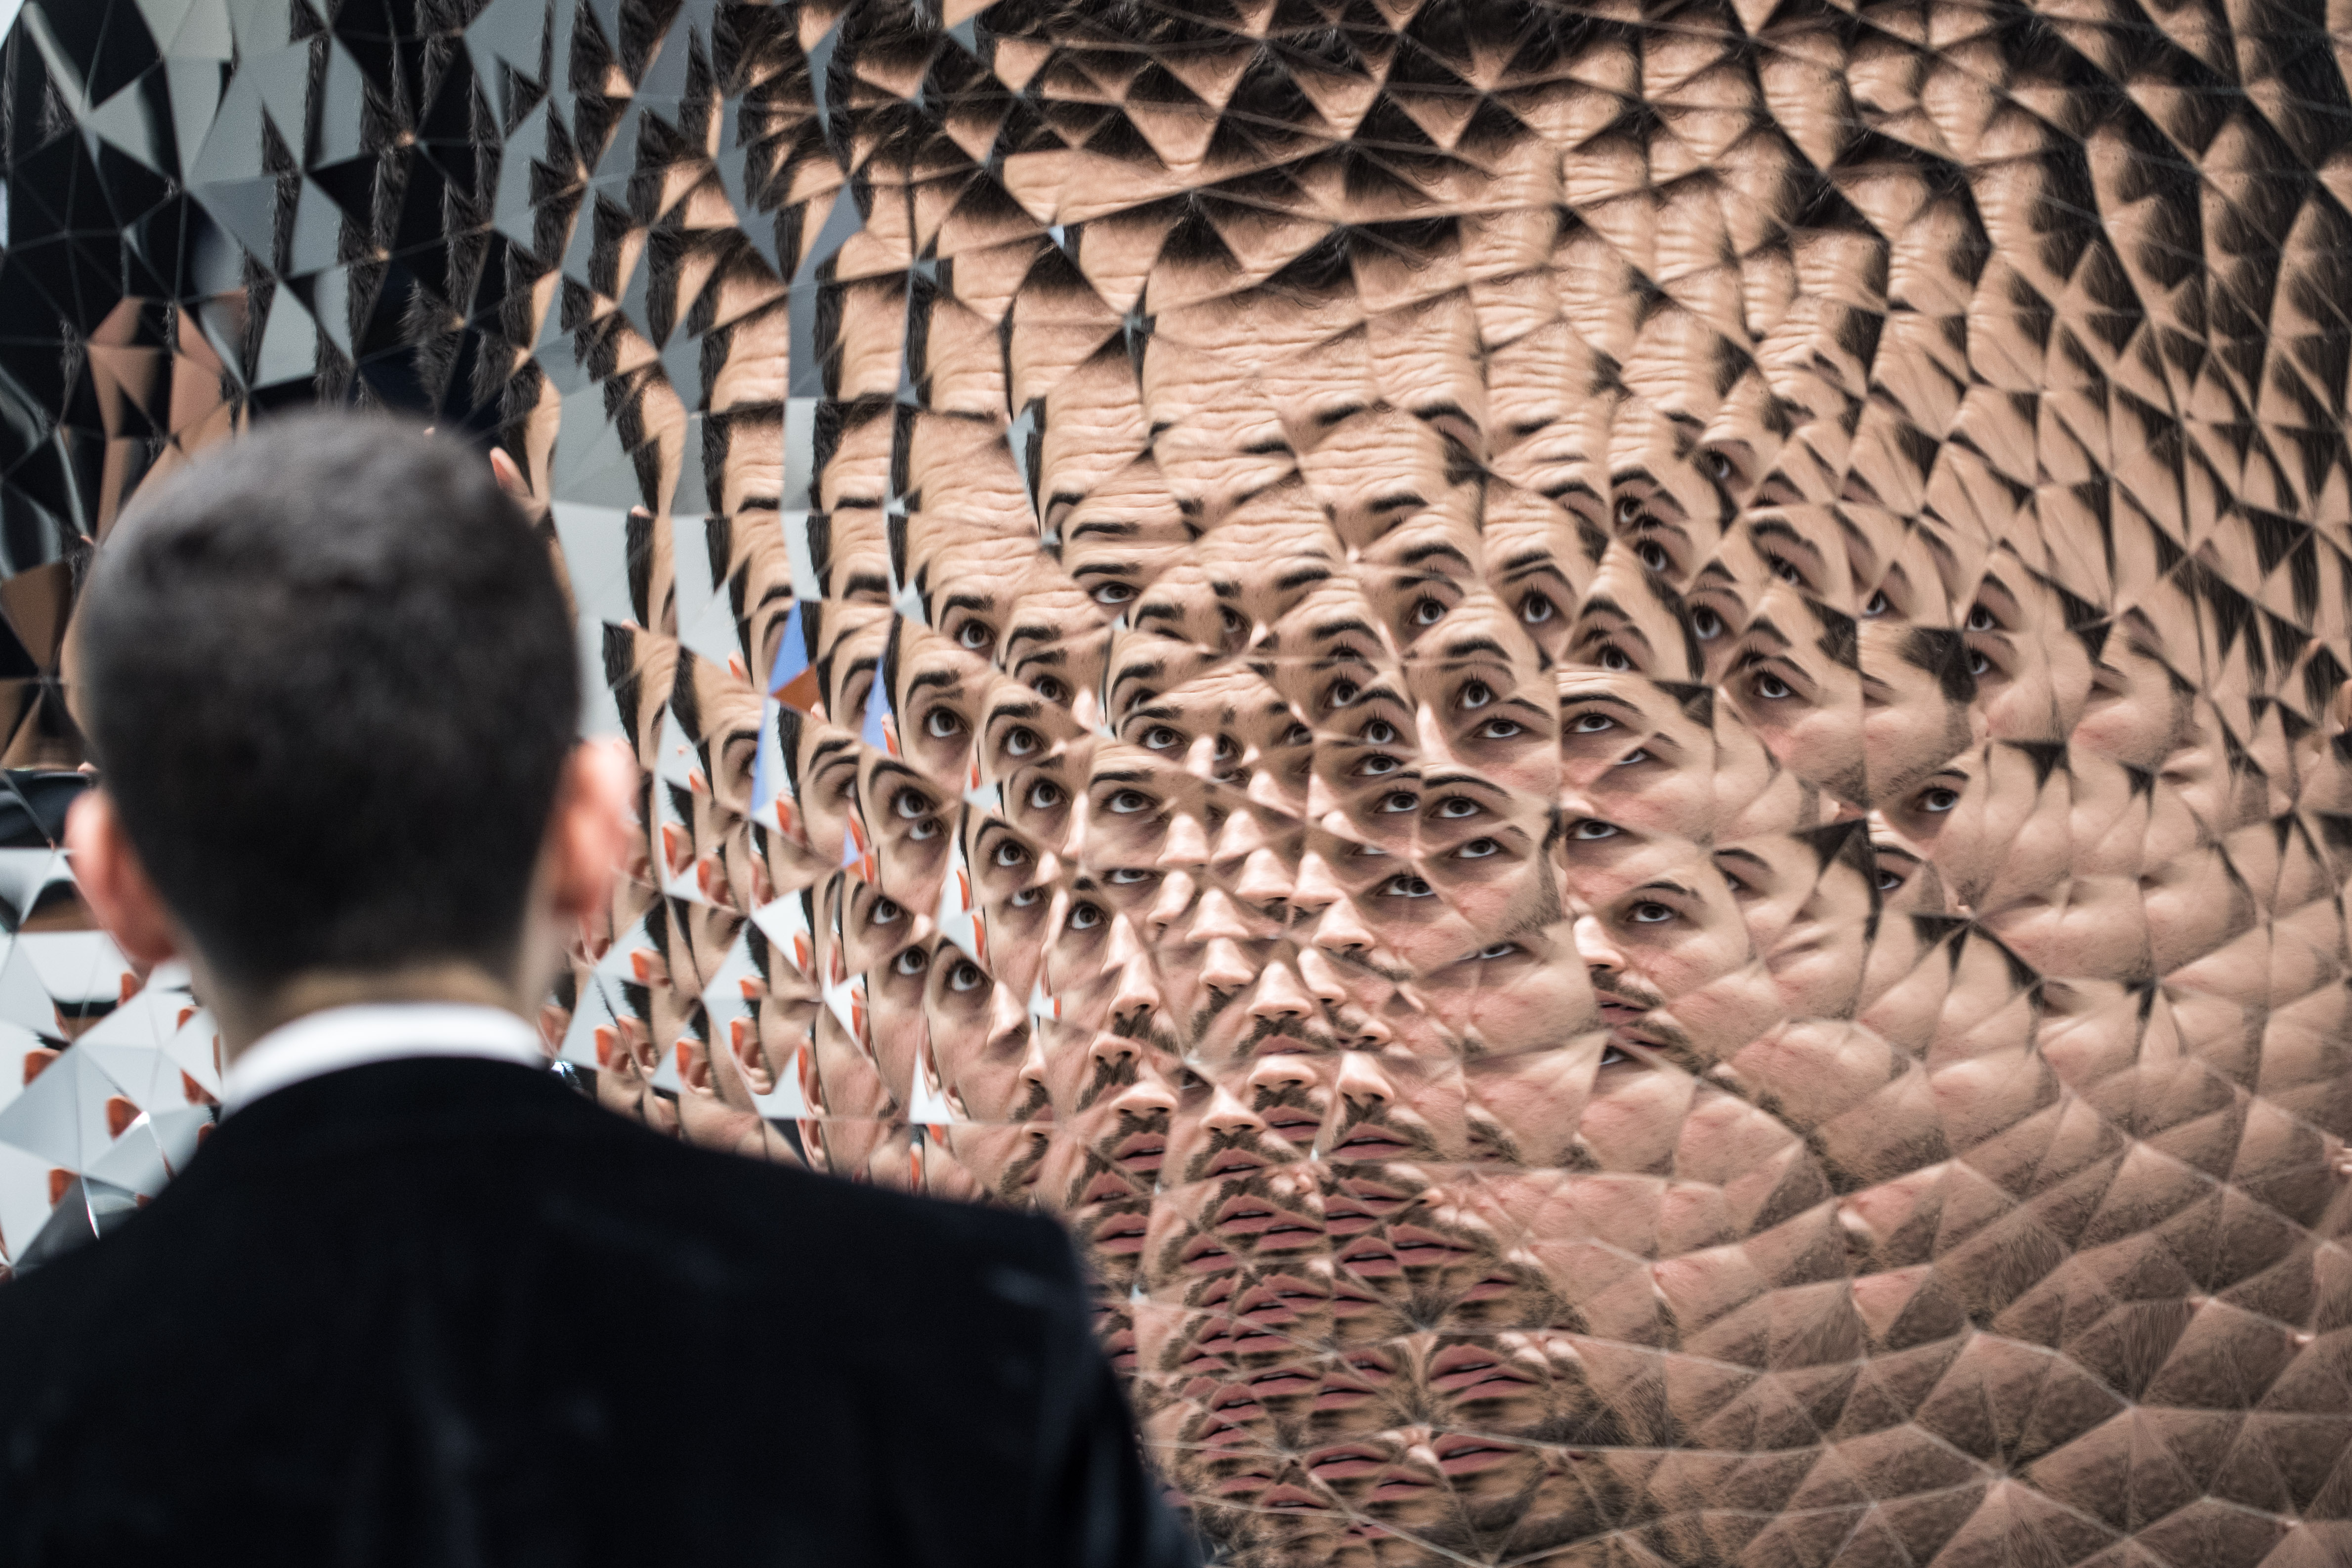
column 1463, row 781
column 1015, row 710
column 1122, row 775
column 862, row 581
column 1749, row 855
column 825, row 749
column 930, row 678
column 1421, row 553
column 775, row 591
column 1028, row 633
column 1341, row 629
column 1300, row 578
column 967, row 601
column 1113, row 530
column 1571, row 700
column 1520, row 562
column 1469, row 645
column 1773, row 528
column 1103, row 569
column 1663, row 887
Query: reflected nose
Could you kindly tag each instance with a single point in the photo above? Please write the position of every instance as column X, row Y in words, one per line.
column 1008, row 1018
column 1341, row 930
column 1186, row 844
column 1264, row 880
column 1281, row 994
column 1227, row 1115
column 1594, row 945
column 1362, row 1083
column 1316, row 889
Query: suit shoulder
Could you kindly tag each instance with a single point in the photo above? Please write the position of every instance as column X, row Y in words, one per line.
column 801, row 1205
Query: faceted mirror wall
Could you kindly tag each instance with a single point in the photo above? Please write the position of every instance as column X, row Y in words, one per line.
column 1613, row 736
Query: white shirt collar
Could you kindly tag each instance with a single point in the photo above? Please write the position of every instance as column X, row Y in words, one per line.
column 338, row 1037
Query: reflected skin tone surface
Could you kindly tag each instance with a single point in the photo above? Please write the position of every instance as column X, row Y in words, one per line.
column 1583, row 827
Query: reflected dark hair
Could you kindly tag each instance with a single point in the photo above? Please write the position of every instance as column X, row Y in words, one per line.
column 329, row 677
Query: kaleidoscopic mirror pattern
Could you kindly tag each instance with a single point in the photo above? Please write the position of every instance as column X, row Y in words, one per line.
column 1613, row 736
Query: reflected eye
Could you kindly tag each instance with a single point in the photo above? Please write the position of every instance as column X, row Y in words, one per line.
column 1501, row 730
column 1401, row 801
column 1406, row 885
column 1784, row 571
column 886, row 912
column 1051, row 689
column 1612, row 657
column 1297, row 735
column 1085, row 917
column 1114, row 593
column 912, row 962
column 1229, row 619
column 974, row 636
column 1876, row 607
column 1427, row 612
column 1023, row 897
column 1225, row 749
column 1022, row 742
column 1161, row 738
column 1455, row 809
column 1009, row 853
column 1592, row 828
column 1636, row 755
column 942, row 723
column 1046, row 795
column 1500, row 950
column 1771, row 687
column 1341, row 694
column 1378, row 732
column 1127, row 802
column 966, row 976
column 1705, row 625
column 1592, row 723
column 1611, row 1057
column 1938, row 799
column 1129, row 876
column 911, row 804
column 1652, row 554
column 1650, row 913
column 1478, row 849
column 1888, row 881
column 1977, row 663
column 1477, row 694
column 1719, row 467
column 1980, row 619
column 1380, row 764
column 929, row 829
column 1629, row 509
column 1535, row 610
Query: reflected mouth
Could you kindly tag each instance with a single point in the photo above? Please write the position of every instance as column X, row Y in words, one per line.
column 1141, row 1152
column 1371, row 1142
column 1231, row 1161
column 1469, row 1458
column 1422, row 1248
column 1121, row 1234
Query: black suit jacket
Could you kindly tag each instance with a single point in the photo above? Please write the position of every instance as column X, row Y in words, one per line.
column 449, row 1312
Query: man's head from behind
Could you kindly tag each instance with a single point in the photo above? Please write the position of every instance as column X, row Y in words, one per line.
column 330, row 681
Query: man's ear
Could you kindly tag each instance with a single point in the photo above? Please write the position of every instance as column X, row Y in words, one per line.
column 589, row 829
column 750, row 1062
column 694, row 1066
column 114, row 881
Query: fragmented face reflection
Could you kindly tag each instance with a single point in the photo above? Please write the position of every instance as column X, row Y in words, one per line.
column 1616, row 743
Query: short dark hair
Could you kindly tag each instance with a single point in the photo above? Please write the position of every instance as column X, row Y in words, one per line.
column 330, row 679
